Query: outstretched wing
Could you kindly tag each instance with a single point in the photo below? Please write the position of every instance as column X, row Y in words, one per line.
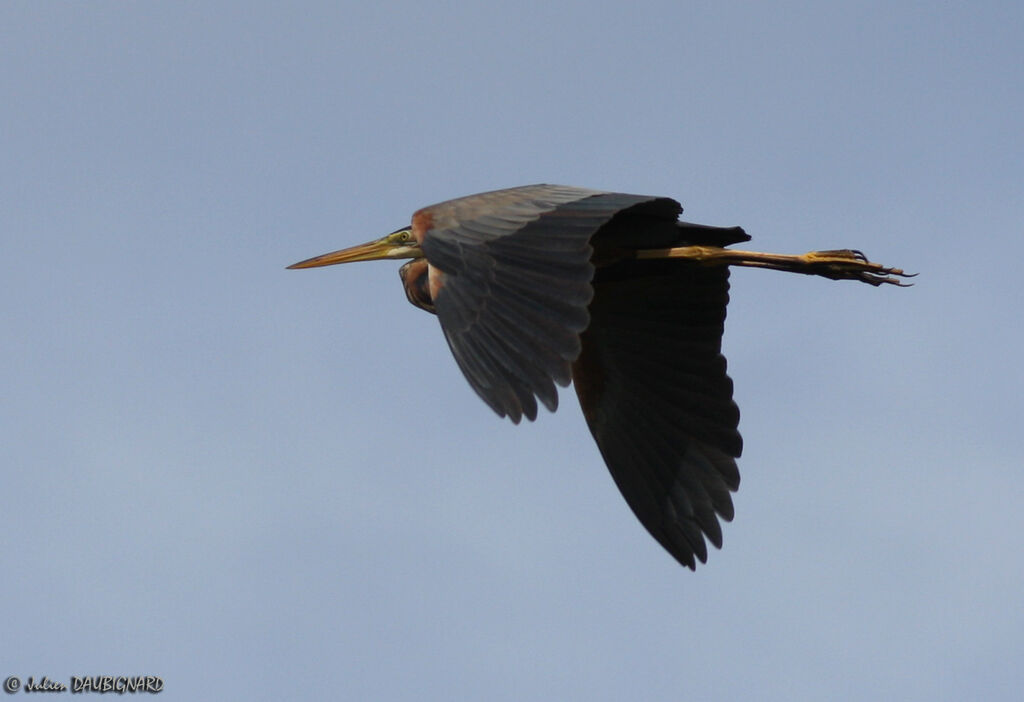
column 511, row 281
column 653, row 386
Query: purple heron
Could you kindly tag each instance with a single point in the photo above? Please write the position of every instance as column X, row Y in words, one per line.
column 541, row 285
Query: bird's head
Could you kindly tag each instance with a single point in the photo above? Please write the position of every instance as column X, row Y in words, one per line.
column 398, row 244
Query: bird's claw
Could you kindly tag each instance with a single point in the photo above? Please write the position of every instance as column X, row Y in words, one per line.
column 851, row 264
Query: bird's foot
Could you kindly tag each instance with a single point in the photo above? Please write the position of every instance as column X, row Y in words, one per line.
column 850, row 264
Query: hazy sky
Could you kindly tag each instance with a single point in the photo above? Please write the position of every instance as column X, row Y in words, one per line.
column 268, row 484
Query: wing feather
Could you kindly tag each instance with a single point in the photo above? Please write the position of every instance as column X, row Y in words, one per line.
column 653, row 386
column 524, row 310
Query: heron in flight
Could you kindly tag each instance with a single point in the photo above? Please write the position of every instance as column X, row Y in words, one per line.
column 543, row 285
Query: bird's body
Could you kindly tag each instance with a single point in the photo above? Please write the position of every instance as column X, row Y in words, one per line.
column 541, row 285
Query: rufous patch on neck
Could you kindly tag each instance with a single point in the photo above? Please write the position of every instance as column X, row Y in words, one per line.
column 435, row 281
column 422, row 220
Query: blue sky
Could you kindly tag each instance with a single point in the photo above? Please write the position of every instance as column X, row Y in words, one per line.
column 267, row 484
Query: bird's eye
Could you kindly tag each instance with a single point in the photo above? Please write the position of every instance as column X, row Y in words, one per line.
column 403, row 236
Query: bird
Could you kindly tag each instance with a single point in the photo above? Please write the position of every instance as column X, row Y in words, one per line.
column 540, row 286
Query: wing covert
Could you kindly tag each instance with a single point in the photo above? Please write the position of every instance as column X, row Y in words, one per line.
column 513, row 282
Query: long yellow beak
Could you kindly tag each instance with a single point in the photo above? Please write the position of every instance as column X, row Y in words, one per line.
column 370, row 251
